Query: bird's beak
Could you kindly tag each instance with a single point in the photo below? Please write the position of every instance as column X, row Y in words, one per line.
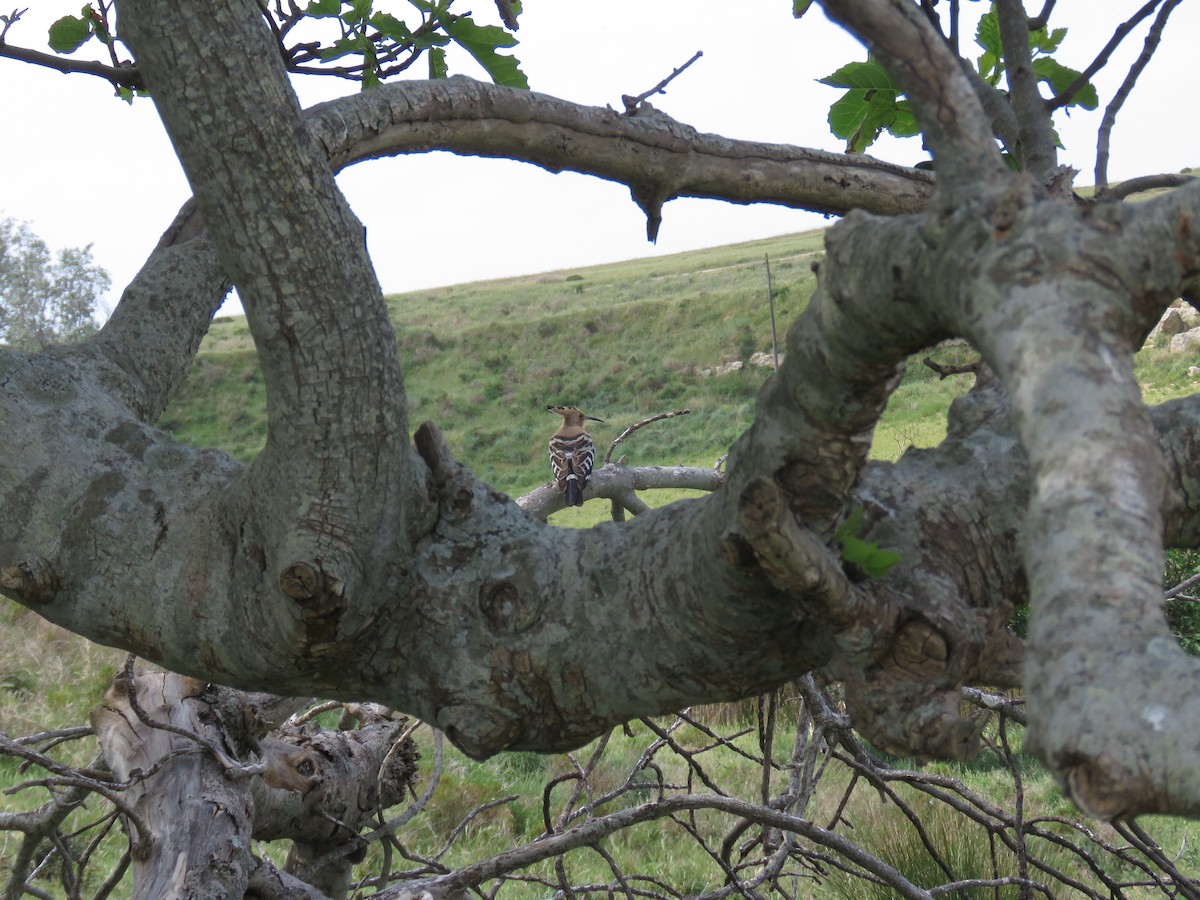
column 594, row 419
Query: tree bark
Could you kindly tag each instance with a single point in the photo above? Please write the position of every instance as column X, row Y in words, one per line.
column 193, row 807
column 347, row 561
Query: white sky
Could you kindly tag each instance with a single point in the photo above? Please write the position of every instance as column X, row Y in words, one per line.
column 84, row 168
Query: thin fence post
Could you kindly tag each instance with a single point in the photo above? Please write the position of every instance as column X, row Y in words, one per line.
column 771, row 301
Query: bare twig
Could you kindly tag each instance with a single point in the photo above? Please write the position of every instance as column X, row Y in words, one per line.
column 1110, row 112
column 1012, row 708
column 119, row 76
column 632, row 103
column 642, row 424
column 944, row 372
column 1182, row 586
column 1131, row 186
column 1102, row 58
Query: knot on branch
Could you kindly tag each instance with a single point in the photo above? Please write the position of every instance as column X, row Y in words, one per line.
column 453, row 487
column 650, row 199
column 308, row 584
column 507, row 609
column 290, row 768
column 1097, row 786
column 919, row 651
column 33, row 581
column 478, row 731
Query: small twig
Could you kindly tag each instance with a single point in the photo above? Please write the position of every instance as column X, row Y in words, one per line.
column 771, row 304
column 947, row 371
column 632, row 103
column 1182, row 586
column 1109, row 119
column 1102, row 58
column 1039, row 21
column 1012, row 707
column 507, row 14
column 313, row 711
column 1147, row 183
column 684, row 754
column 10, row 21
column 469, row 818
column 632, row 428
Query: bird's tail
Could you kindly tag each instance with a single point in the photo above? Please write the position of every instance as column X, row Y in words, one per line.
column 574, row 491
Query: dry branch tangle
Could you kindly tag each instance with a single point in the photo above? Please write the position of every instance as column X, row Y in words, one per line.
column 411, row 583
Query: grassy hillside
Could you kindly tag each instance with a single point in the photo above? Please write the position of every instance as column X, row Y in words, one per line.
column 623, row 341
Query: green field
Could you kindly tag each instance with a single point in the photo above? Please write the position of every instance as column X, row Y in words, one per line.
column 624, row 342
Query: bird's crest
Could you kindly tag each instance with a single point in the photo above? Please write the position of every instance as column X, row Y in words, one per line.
column 573, row 415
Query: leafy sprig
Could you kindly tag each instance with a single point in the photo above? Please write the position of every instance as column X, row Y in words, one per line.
column 872, row 104
column 871, row 558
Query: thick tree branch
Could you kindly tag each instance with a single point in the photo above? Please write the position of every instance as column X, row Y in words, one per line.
column 1095, row 512
column 1037, row 141
column 651, row 152
column 184, row 281
column 346, row 563
column 615, row 481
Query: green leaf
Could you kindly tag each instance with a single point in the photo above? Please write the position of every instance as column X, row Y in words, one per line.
column 989, row 68
column 873, row 560
column 437, row 62
column 860, row 115
column 323, row 9
column 878, row 562
column 481, row 42
column 342, row 47
column 847, row 113
column 359, row 11
column 389, row 25
column 370, row 75
column 1060, row 77
column 855, row 551
column 800, row 7
column 69, row 33
column 904, row 123
column 1045, row 42
column 851, row 526
column 865, row 75
column 987, row 34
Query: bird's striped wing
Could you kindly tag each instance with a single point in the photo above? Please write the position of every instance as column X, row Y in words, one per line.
column 571, row 459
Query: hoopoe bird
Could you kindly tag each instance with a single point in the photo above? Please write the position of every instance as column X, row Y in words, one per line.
column 572, row 453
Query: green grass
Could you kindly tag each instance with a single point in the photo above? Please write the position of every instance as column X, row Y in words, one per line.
column 483, row 360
